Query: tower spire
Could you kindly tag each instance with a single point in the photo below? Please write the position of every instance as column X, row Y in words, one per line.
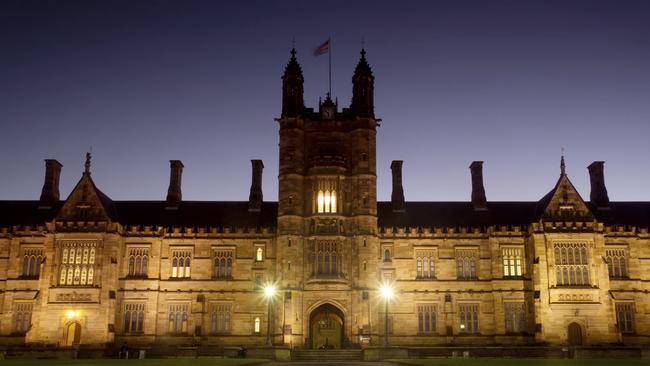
column 562, row 164
column 87, row 164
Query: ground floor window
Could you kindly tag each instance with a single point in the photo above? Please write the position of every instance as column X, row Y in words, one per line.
column 468, row 318
column 515, row 317
column 625, row 317
column 426, row 318
column 178, row 315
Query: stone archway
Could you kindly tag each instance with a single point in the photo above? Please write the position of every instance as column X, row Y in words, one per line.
column 72, row 334
column 326, row 325
column 575, row 334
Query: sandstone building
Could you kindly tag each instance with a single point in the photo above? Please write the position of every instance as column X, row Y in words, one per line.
column 88, row 270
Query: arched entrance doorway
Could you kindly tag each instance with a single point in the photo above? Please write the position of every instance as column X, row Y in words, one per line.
column 72, row 334
column 326, row 327
column 575, row 334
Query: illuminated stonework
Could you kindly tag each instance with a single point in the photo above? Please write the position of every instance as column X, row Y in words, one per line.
column 90, row 270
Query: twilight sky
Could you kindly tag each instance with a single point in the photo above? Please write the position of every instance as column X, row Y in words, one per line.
column 506, row 82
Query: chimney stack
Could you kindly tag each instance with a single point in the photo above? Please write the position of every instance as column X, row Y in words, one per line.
column 397, row 197
column 255, row 197
column 598, row 195
column 478, row 191
column 50, row 191
column 174, row 192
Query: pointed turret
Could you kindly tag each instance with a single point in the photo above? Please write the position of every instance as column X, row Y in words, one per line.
column 363, row 87
column 292, row 88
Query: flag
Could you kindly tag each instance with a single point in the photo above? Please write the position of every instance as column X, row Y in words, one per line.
column 322, row 49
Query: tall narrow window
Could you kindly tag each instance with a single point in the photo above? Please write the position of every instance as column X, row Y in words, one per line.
column 333, row 202
column 138, row 261
column 327, row 202
column 571, row 265
column 220, row 318
column 23, row 317
column 515, row 315
column 625, row 317
column 32, row 259
column 468, row 318
column 77, row 263
column 259, row 254
column 181, row 261
column 512, row 259
column 321, row 202
column 133, row 318
column 178, row 315
column 427, row 318
column 425, row 264
column 257, row 325
column 616, row 263
column 223, row 261
column 466, row 263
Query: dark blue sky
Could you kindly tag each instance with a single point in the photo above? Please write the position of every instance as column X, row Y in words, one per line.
column 143, row 82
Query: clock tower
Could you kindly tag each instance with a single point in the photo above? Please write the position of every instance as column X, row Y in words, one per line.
column 327, row 209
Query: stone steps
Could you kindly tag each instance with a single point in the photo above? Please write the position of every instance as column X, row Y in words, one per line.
column 326, row 355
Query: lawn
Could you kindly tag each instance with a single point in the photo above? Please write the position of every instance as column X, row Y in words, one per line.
column 145, row 362
column 522, row 362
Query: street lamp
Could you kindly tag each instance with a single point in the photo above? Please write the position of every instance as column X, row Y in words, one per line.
column 269, row 292
column 386, row 291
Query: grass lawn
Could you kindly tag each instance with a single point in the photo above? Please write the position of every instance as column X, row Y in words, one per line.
column 522, row 362
column 145, row 362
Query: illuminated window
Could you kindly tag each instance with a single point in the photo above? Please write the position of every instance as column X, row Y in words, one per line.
column 468, row 318
column 259, row 254
column 326, row 200
column 138, row 262
column 181, row 260
column 223, row 261
column 466, row 263
column 32, row 259
column 512, row 261
column 427, row 318
column 625, row 317
column 77, row 263
column 515, row 317
column 425, row 264
column 23, row 317
column 257, row 325
column 571, row 266
column 133, row 317
column 616, row 263
column 178, row 315
column 220, row 318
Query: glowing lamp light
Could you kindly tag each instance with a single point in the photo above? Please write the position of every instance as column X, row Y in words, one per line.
column 462, row 326
column 269, row 291
column 71, row 314
column 386, row 291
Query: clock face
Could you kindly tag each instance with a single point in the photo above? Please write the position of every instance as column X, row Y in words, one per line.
column 328, row 113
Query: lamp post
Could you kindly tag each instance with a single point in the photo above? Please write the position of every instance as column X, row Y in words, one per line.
column 269, row 292
column 386, row 291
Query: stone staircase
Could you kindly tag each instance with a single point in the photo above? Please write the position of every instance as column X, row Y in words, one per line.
column 326, row 355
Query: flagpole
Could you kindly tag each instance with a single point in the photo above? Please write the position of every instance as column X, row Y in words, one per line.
column 330, row 66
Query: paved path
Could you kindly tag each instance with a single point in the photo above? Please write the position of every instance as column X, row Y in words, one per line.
column 336, row 363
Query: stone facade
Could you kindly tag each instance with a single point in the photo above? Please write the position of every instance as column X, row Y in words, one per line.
column 88, row 270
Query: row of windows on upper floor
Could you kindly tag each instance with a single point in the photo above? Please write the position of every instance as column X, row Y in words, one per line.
column 220, row 318
column 78, row 262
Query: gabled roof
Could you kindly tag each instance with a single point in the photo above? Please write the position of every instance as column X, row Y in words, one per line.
column 87, row 202
column 562, row 201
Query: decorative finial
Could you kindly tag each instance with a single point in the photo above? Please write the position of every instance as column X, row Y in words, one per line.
column 363, row 53
column 562, row 165
column 293, row 53
column 87, row 165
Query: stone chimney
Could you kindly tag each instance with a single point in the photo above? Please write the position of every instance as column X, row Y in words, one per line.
column 50, row 191
column 598, row 195
column 255, row 197
column 174, row 195
column 478, row 191
column 397, row 197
